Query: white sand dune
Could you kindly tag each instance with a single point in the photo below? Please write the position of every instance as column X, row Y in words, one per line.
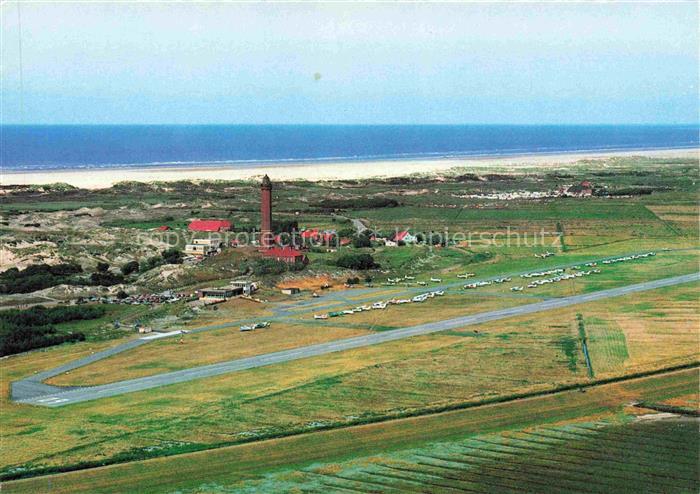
column 100, row 178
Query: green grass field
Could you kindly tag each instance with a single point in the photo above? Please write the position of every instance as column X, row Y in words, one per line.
column 602, row 457
column 508, row 357
column 299, row 329
column 280, row 464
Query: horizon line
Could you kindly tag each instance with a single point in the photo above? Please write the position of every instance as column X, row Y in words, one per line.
column 465, row 124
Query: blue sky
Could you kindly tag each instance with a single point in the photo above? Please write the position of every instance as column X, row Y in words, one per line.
column 351, row 63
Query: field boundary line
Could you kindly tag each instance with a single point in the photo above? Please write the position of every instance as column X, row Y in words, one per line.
column 398, row 417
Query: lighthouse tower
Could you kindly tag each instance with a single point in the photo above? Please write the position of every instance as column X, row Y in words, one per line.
column 266, row 236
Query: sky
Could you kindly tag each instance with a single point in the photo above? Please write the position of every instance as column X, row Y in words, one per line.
column 349, row 63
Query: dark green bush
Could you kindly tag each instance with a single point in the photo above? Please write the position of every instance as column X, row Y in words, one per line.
column 268, row 266
column 150, row 263
column 105, row 279
column 356, row 261
column 285, row 226
column 361, row 241
column 172, row 256
column 130, row 267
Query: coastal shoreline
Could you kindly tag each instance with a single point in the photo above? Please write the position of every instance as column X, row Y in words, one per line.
column 97, row 178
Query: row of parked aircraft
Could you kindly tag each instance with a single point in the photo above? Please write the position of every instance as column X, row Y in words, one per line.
column 382, row 305
column 556, row 279
column 394, row 281
column 542, row 273
column 629, row 258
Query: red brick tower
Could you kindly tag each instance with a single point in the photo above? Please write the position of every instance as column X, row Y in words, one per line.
column 266, row 237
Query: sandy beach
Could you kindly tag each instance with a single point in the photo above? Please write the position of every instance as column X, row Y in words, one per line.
column 101, row 178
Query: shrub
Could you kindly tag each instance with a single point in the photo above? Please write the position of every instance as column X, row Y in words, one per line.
column 150, row 263
column 130, row 267
column 356, row 261
column 285, row 226
column 105, row 279
column 435, row 239
column 102, row 267
column 263, row 266
column 481, row 257
column 346, row 232
column 172, row 256
column 361, row 241
column 629, row 191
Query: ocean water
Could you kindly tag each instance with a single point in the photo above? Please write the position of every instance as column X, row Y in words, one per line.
column 28, row 148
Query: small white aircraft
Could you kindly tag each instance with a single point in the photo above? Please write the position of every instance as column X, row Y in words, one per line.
column 257, row 325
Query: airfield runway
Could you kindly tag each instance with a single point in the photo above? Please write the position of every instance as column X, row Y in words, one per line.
column 52, row 396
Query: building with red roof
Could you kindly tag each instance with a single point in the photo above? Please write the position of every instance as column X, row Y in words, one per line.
column 286, row 254
column 405, row 237
column 584, row 189
column 315, row 235
column 310, row 234
column 210, row 226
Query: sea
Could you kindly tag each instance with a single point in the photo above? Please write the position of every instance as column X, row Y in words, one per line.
column 79, row 147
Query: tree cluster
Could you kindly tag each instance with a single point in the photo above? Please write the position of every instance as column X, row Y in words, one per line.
column 356, row 261
column 37, row 277
column 285, row 226
column 169, row 256
column 358, row 203
column 22, row 330
column 268, row 266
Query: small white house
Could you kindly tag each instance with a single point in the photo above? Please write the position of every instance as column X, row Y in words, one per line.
column 211, row 242
column 198, row 249
column 203, row 246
